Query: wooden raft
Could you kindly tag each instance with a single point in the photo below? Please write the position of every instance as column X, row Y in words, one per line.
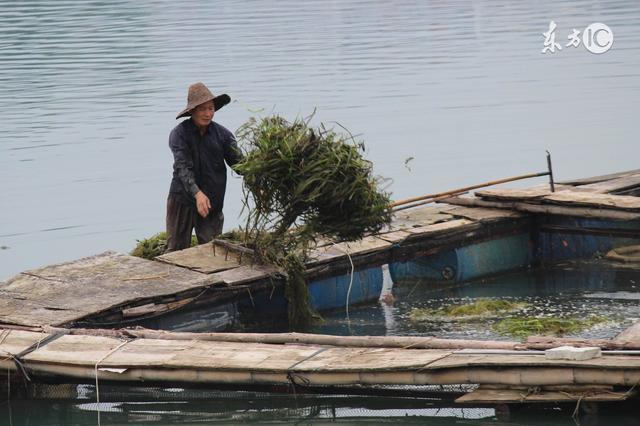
column 112, row 282
column 163, row 361
column 599, row 197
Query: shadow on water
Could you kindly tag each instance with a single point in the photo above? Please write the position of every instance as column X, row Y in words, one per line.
column 54, row 406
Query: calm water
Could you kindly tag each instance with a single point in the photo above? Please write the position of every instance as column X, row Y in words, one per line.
column 90, row 90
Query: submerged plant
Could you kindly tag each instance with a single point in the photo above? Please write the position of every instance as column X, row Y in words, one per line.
column 301, row 183
column 527, row 326
column 477, row 309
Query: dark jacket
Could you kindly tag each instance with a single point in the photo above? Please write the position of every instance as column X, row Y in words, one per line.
column 199, row 162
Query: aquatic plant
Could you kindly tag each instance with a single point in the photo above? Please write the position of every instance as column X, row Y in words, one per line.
column 154, row 246
column 302, row 183
column 522, row 327
column 477, row 309
column 315, row 178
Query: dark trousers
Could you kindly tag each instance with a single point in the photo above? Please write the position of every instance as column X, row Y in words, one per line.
column 182, row 218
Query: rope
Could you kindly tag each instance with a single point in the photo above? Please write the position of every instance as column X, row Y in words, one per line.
column 350, row 280
column 96, row 373
column 291, row 375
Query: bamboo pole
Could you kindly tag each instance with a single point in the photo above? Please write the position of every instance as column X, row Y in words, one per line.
column 599, row 213
column 468, row 188
column 428, row 201
column 407, row 342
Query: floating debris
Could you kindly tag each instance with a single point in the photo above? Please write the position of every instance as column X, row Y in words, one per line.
column 481, row 308
column 526, row 326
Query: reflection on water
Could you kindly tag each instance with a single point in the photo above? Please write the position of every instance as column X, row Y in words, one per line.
column 90, row 91
column 180, row 406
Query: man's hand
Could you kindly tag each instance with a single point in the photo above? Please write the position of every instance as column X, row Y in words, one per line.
column 203, row 203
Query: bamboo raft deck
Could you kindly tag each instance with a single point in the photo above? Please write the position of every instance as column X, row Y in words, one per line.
column 121, row 287
column 196, row 359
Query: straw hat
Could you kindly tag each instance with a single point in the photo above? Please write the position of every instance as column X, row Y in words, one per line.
column 199, row 94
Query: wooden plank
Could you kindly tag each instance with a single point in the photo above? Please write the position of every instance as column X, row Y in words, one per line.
column 483, row 214
column 395, row 236
column 245, row 274
column 441, row 228
column 367, row 359
column 206, row 355
column 614, row 185
column 630, row 335
column 513, row 194
column 419, row 216
column 515, row 360
column 594, row 179
column 338, row 251
column 251, row 356
column 202, row 259
column 505, row 396
column 546, row 209
column 16, row 341
column 64, row 292
column 607, row 201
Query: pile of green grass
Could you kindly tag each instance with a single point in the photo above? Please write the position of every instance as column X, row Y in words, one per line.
column 314, row 178
column 477, row 309
column 154, row 246
column 526, row 326
column 302, row 183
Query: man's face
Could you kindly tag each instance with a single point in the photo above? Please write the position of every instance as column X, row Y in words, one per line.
column 203, row 114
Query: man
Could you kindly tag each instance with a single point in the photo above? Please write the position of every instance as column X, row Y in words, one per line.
column 200, row 148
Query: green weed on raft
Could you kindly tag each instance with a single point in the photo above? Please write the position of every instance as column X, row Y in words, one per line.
column 149, row 248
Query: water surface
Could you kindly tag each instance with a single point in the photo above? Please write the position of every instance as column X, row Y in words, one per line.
column 90, row 90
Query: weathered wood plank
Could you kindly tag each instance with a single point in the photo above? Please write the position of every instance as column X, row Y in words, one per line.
column 546, row 209
column 245, row 274
column 613, row 185
column 594, row 179
column 630, row 335
column 204, row 258
column 441, row 228
column 339, row 359
column 395, row 236
column 470, row 360
column 513, row 194
column 505, row 396
column 64, row 292
column 483, row 214
column 334, row 252
column 605, row 201
column 419, row 216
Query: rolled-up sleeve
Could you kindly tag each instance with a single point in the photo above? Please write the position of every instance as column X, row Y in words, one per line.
column 183, row 161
